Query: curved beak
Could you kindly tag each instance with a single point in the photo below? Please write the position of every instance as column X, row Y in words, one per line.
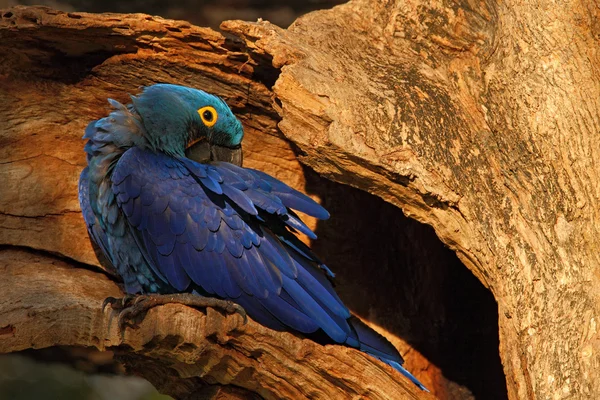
column 203, row 152
column 198, row 151
column 227, row 154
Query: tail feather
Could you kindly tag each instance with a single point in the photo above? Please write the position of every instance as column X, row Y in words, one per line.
column 379, row 347
column 404, row 372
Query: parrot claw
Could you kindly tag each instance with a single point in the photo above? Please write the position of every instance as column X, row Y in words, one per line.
column 232, row 308
column 129, row 313
column 117, row 303
column 130, row 306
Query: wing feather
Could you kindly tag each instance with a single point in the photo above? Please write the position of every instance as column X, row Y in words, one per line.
column 212, row 227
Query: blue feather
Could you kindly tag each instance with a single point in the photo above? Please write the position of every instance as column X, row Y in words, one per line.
column 211, row 185
column 172, row 271
column 249, row 238
column 130, row 186
column 232, row 243
column 244, row 276
column 311, row 308
column 272, row 250
column 219, row 243
column 235, row 222
column 270, row 204
column 297, row 224
column 323, row 291
column 196, row 265
column 177, row 223
column 239, row 199
column 199, row 170
column 136, row 216
column 260, row 313
column 213, row 174
column 230, row 178
column 398, row 367
column 212, row 219
column 294, row 199
column 229, row 287
column 273, row 281
column 290, row 317
column 165, row 243
column 197, row 234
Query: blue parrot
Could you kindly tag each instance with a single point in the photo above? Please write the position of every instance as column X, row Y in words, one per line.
column 166, row 200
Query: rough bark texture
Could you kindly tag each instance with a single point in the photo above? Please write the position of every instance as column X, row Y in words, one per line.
column 475, row 118
column 480, row 120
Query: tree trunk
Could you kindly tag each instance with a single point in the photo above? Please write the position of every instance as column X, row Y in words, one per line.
column 474, row 118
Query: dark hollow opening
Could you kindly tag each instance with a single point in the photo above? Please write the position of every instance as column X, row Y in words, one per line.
column 395, row 272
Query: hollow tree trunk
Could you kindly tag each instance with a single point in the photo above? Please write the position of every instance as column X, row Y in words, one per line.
column 475, row 118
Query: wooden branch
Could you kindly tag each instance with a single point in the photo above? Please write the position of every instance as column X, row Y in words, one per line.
column 178, row 342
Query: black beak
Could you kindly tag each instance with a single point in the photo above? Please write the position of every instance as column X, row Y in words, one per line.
column 231, row 155
column 203, row 152
column 199, row 152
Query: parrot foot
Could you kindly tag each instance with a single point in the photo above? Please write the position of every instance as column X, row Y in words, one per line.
column 117, row 303
column 132, row 306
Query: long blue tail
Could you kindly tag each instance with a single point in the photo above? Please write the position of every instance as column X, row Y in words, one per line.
column 398, row 367
column 379, row 347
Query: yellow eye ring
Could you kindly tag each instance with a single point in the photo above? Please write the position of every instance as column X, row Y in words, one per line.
column 208, row 115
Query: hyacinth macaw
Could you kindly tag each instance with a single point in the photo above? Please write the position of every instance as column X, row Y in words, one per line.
column 212, row 231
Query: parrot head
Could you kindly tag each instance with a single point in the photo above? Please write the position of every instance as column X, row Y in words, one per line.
column 180, row 120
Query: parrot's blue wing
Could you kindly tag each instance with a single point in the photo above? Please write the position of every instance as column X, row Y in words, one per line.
column 218, row 228
column 119, row 257
column 94, row 229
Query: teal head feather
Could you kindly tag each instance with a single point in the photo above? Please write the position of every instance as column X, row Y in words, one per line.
column 174, row 117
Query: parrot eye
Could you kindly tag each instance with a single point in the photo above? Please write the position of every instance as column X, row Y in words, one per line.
column 208, row 115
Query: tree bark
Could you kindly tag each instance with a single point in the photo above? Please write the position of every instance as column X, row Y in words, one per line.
column 476, row 119
column 480, row 121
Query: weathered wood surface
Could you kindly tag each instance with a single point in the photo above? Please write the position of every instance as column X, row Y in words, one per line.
column 477, row 119
column 480, row 119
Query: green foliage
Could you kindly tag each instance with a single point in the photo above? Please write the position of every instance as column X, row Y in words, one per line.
column 22, row 378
